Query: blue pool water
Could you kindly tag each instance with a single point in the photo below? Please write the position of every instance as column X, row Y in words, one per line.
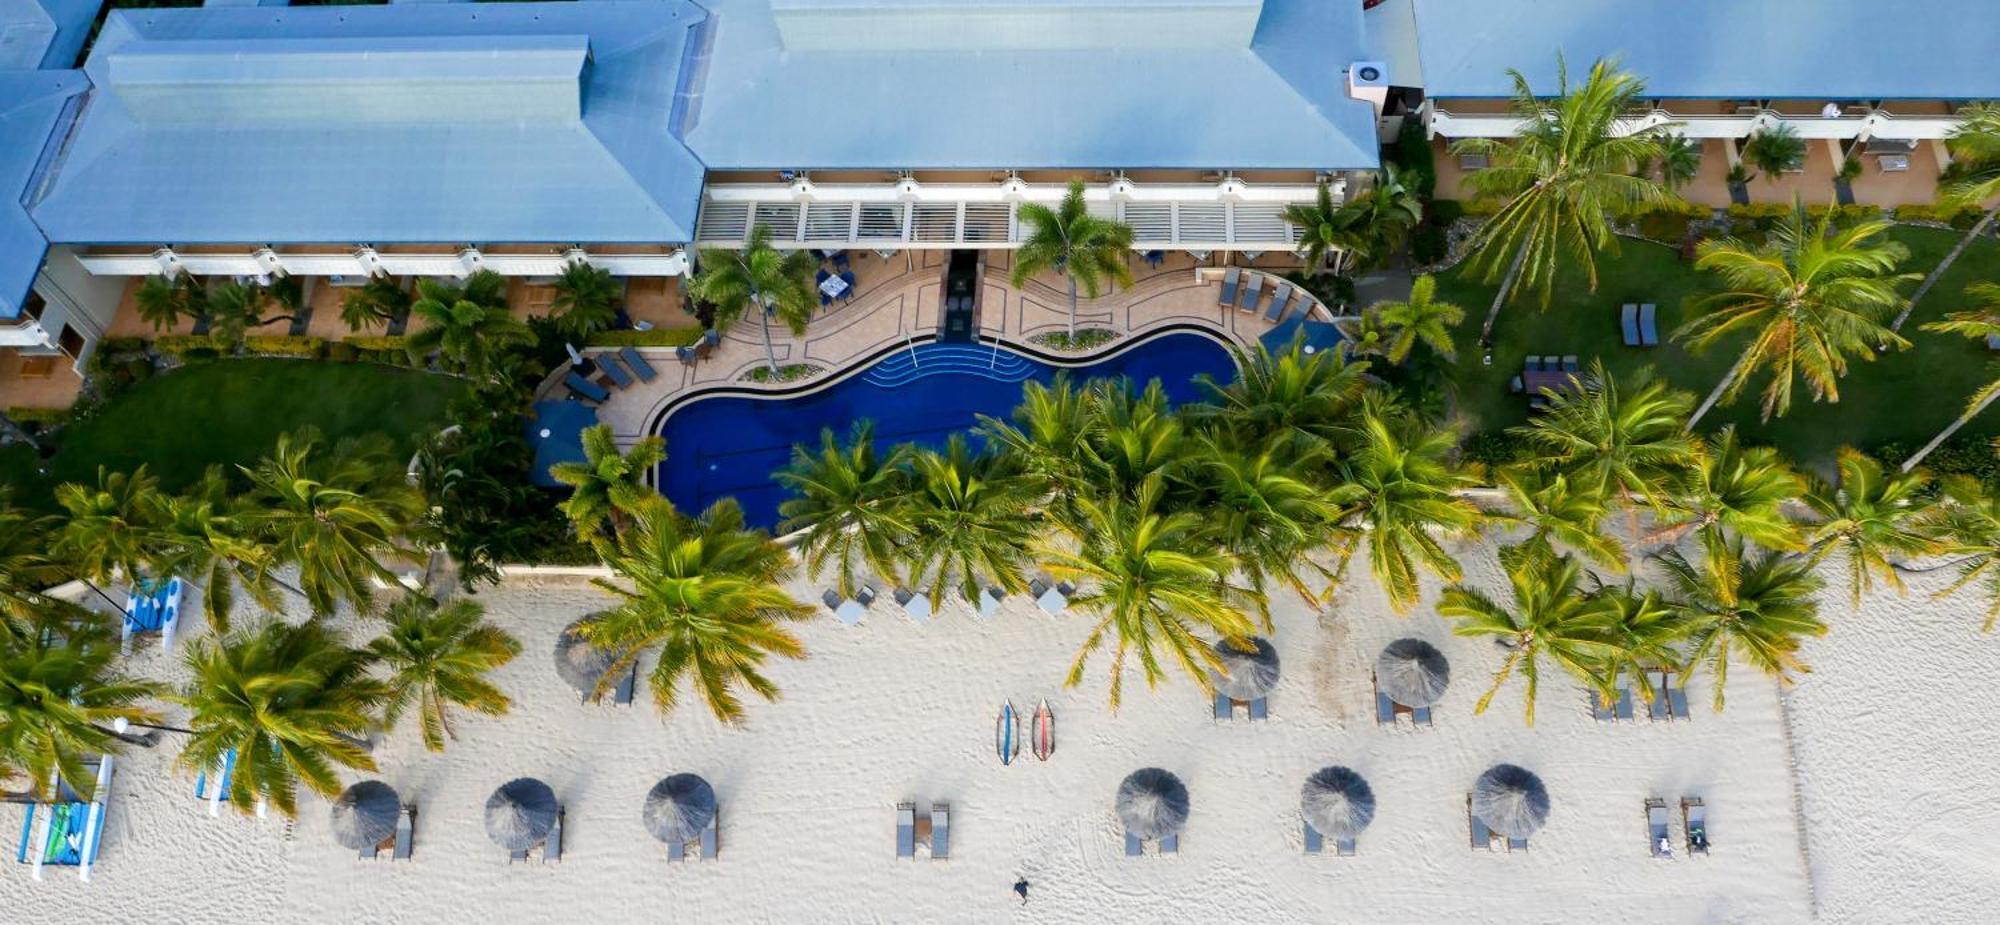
column 731, row 446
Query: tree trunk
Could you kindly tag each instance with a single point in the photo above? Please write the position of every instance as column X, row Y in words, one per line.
column 1072, row 311
column 1950, row 429
column 1938, row 272
column 1713, row 396
column 1500, row 298
column 770, row 353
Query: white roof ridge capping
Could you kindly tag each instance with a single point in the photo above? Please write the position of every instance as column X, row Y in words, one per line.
column 491, row 77
column 1014, row 25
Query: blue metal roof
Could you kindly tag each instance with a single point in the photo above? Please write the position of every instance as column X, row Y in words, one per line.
column 1280, row 101
column 43, row 33
column 407, row 123
column 1761, row 49
column 32, row 106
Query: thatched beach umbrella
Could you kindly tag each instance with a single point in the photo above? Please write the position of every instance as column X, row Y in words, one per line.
column 1246, row 675
column 1152, row 803
column 365, row 814
column 1510, row 800
column 679, row 808
column 580, row 663
column 1337, row 802
column 520, row 814
column 1412, row 672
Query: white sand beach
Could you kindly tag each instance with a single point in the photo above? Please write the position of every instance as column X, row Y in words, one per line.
column 1896, row 791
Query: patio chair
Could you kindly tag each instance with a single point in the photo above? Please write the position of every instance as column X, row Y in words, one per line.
column 1656, row 828
column 840, row 265
column 1694, row 818
column 1482, row 837
column 1260, row 708
column 687, row 355
column 1628, row 319
column 1532, row 364
column 1313, row 842
column 1570, row 364
column 1279, row 297
column 614, row 370
column 585, row 389
column 906, row 830
column 1253, row 292
column 406, row 825
column 1649, row 332
column 917, row 606
column 1225, row 708
column 1133, row 846
column 940, row 831
column 847, row 295
column 640, row 367
column 1516, row 386
column 1229, row 279
column 1155, row 258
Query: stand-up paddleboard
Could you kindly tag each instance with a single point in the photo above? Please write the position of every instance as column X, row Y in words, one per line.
column 1007, row 735
column 1044, row 733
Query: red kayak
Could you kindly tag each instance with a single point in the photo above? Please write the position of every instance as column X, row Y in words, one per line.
column 1044, row 731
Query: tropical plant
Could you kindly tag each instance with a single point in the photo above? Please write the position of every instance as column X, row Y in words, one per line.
column 377, row 303
column 1564, row 173
column 846, row 503
column 1972, row 179
column 162, row 301
column 1810, row 297
column 1969, row 528
column 1087, row 250
column 1775, row 149
column 1356, row 234
column 586, row 300
column 757, row 278
column 1874, row 518
column 1641, row 630
column 1420, row 320
column 26, row 567
column 969, row 522
column 1290, row 394
column 1755, row 605
column 109, row 530
column 234, row 308
column 1153, row 579
column 1560, row 512
column 1399, row 488
column 334, row 515
column 211, row 539
column 1137, row 435
column 707, row 593
column 1265, row 507
column 1046, row 435
column 607, row 485
column 1733, row 492
column 1551, row 616
column 467, row 325
column 61, row 698
column 293, row 702
column 1623, row 438
column 438, row 657
column 1983, row 325
column 1677, row 160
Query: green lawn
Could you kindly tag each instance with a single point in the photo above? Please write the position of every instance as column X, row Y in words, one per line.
column 232, row 411
column 1904, row 397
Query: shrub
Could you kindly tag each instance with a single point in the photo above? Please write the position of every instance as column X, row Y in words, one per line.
column 342, row 352
column 1960, row 217
column 1483, row 207
column 378, row 342
column 121, row 345
column 1493, row 449
column 1762, row 216
column 1428, row 244
column 1961, row 455
column 183, row 345
column 39, row 417
column 1446, row 211
column 284, row 346
column 1844, row 216
column 1669, row 221
column 788, row 373
column 1416, row 160
column 657, row 337
column 1084, row 339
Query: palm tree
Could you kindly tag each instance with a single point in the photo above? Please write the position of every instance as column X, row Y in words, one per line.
column 1420, row 320
column 293, row 702
column 1983, row 325
column 61, row 698
column 1551, row 617
column 26, row 567
column 1353, row 235
column 757, row 278
column 212, row 539
column 1136, row 435
column 709, row 594
column 1969, row 528
column 467, row 325
column 110, row 529
column 333, row 515
column 162, row 301
column 969, row 522
column 1973, row 179
column 234, row 308
column 1400, row 488
column 1047, row 435
column 1625, row 439
column 1755, row 605
column 1153, row 579
column 438, row 656
column 1678, row 159
column 1734, row 492
column 1087, row 250
column 1290, row 394
column 847, row 506
column 1565, row 172
column 1810, row 297
column 379, row 302
column 1774, row 150
column 1560, row 511
column 586, row 300
column 1641, row 630
column 1874, row 518
column 607, row 484
column 1265, row 507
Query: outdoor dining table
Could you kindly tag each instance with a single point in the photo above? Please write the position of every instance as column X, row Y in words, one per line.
column 1535, row 380
column 833, row 286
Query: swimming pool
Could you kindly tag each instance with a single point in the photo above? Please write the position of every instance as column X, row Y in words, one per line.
column 731, row 445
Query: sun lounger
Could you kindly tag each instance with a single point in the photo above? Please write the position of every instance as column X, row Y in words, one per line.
column 1314, row 844
column 406, row 824
column 1628, row 319
column 585, row 389
column 622, row 695
column 1260, row 708
column 1656, row 682
column 1346, row 847
column 1133, row 846
column 1482, row 837
column 988, row 603
column 1656, row 828
column 940, row 831
column 1694, row 818
column 69, row 832
column 1224, row 707
column 1599, row 710
column 1279, row 297
column 709, row 837
column 1624, row 708
column 520, row 855
column 1385, row 709
column 1677, row 699
column 917, row 606
column 906, row 830
column 677, row 851
column 1420, row 715
column 1051, row 596
column 552, row 847
column 1516, row 844
column 1169, row 844
column 223, row 774
column 1229, row 280
column 640, row 367
column 1649, row 333
column 1253, row 292
column 844, row 610
column 614, row 370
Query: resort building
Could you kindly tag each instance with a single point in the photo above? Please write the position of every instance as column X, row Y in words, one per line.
column 1879, row 85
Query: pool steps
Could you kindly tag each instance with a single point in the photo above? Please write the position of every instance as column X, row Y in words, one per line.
column 897, row 369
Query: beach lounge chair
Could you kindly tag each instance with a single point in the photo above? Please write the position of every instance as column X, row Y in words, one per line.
column 1314, row 844
column 1279, row 298
column 917, row 606
column 1420, row 716
column 640, row 367
column 1656, row 828
column 220, row 793
column 614, row 370
column 1649, row 332
column 1385, row 709
column 68, row 832
column 1133, row 846
column 677, row 851
column 1656, row 683
column 1482, row 837
column 1628, row 320
column 844, row 610
column 1677, row 698
column 622, row 694
column 988, row 603
column 1169, row 844
column 1260, row 708
column 585, row 389
column 1346, row 847
column 709, row 837
column 940, row 831
column 406, row 825
column 1694, row 818
column 1051, row 596
column 1229, row 281
column 1516, row 844
column 552, row 846
column 1225, row 708
column 906, row 830
column 1253, row 292
column 1623, row 709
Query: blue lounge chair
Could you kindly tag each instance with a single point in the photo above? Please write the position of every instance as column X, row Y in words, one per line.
column 1385, row 709
column 552, row 847
column 1280, row 298
column 1656, row 681
column 1253, row 292
column 1532, row 364
column 1170, row 844
column 1482, row 837
column 1993, row 341
column 1694, row 818
column 585, row 389
column 1260, row 708
column 1516, row 844
column 1346, row 847
column 1570, row 364
column 622, row 696
column 1677, row 701
column 1624, row 708
column 221, row 793
column 1313, row 842
column 1224, row 707
column 847, row 295
column 640, row 367
column 1420, row 716
column 1649, row 333
column 615, row 370
column 406, row 824
column 1628, row 319
column 677, row 851
column 1656, row 828
column 1229, row 280
column 906, row 830
column 917, row 606
column 940, row 831
column 1133, row 846
column 74, row 833
column 1299, row 302
column 708, row 837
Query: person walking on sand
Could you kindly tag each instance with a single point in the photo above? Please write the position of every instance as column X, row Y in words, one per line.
column 1021, row 887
